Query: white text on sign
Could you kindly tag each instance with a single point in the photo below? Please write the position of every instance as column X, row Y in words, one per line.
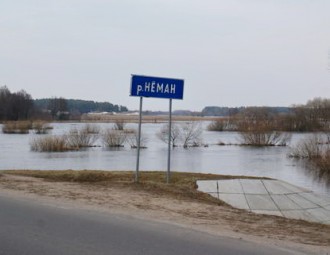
column 155, row 87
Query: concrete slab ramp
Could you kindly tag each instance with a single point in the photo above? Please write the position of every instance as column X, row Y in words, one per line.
column 272, row 197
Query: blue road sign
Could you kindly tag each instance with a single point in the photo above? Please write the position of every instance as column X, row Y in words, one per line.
column 146, row 86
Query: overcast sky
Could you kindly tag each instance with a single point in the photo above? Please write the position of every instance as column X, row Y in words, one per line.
column 229, row 52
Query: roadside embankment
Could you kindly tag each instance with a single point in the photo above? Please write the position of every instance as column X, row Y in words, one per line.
column 177, row 203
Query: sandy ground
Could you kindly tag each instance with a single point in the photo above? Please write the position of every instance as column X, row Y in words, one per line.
column 308, row 238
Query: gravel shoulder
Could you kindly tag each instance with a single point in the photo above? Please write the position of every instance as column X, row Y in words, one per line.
column 222, row 220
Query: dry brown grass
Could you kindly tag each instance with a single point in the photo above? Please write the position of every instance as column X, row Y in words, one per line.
column 52, row 143
column 73, row 140
column 17, row 127
column 183, row 185
column 23, row 127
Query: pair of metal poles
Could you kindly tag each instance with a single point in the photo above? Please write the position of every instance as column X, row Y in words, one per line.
column 168, row 173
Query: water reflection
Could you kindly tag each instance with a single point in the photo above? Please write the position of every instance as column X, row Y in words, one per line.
column 322, row 177
column 113, row 148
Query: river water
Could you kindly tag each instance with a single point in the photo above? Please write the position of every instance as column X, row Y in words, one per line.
column 271, row 162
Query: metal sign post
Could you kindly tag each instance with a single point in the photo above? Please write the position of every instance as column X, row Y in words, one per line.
column 138, row 143
column 147, row 86
column 168, row 175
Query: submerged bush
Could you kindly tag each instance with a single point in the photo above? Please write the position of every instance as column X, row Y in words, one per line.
column 73, row 140
column 265, row 138
column 133, row 140
column 91, row 129
column 119, row 124
column 113, row 138
column 41, row 127
column 79, row 138
column 50, row 144
column 191, row 134
column 315, row 149
column 17, row 127
column 163, row 134
column 188, row 133
column 225, row 124
column 309, row 148
column 23, row 127
column 323, row 163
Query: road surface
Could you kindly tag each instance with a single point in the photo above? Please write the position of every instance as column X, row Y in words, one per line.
column 31, row 228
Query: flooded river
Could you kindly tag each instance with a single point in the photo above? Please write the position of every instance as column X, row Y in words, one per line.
column 272, row 162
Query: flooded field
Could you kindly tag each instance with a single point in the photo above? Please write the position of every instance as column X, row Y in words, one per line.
column 15, row 153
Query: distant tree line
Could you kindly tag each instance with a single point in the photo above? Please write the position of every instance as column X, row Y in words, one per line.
column 15, row 106
column 230, row 111
column 21, row 106
column 311, row 117
column 61, row 107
